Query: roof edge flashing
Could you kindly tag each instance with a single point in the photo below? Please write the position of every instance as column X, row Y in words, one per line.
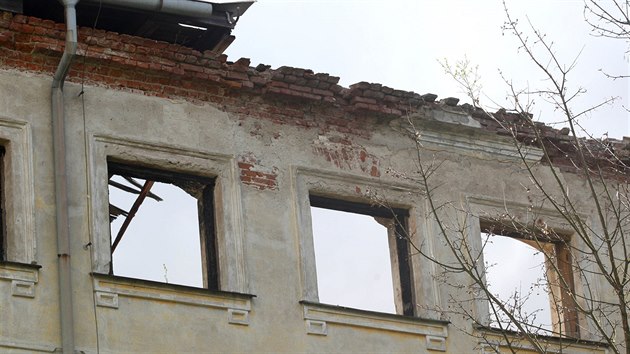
column 187, row 8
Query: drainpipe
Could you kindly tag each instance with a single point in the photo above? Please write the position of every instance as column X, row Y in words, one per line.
column 61, row 180
column 190, row 8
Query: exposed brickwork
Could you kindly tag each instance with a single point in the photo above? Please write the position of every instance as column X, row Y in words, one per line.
column 255, row 175
column 345, row 155
column 284, row 96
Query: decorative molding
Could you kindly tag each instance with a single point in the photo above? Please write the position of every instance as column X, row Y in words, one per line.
column 19, row 271
column 316, row 327
column 479, row 144
column 452, row 116
column 31, row 347
column 23, row 288
column 489, row 349
column 502, row 204
column 240, row 317
column 347, row 186
column 354, row 179
column 304, row 181
column 161, row 147
column 108, row 289
column 23, row 278
column 494, row 342
column 436, row 343
column 480, row 208
column 105, row 299
column 230, row 228
column 17, row 139
column 368, row 319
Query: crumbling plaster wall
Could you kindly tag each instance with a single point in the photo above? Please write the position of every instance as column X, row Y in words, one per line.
column 268, row 212
column 27, row 320
column 269, row 130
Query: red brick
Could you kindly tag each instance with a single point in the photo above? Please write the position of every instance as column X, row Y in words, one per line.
column 300, row 88
column 323, row 92
column 359, row 99
column 6, row 37
column 236, row 75
column 20, row 19
column 310, row 96
column 259, row 81
column 191, row 68
column 278, row 84
column 233, row 84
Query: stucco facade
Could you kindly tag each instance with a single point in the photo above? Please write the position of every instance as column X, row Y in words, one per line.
column 269, row 138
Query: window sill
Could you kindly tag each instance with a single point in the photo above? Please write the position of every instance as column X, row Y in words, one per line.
column 495, row 339
column 108, row 288
column 317, row 317
column 23, row 277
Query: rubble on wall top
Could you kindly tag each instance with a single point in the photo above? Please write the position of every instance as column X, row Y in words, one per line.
column 375, row 98
column 170, row 70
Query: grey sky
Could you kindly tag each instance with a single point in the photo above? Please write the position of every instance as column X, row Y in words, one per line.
column 514, row 268
column 162, row 239
column 352, row 260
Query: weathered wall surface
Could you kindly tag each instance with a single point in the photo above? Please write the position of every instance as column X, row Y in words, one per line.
column 271, row 137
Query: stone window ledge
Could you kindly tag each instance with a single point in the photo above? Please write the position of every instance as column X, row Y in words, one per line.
column 494, row 339
column 318, row 315
column 108, row 288
column 25, row 346
column 23, row 277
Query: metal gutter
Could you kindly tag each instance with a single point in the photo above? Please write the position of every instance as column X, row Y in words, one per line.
column 189, row 8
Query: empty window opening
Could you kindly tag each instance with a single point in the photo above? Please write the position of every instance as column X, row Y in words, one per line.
column 520, row 272
column 162, row 226
column 515, row 273
column 361, row 256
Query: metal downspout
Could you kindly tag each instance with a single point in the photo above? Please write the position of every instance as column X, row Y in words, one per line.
column 61, row 180
column 180, row 7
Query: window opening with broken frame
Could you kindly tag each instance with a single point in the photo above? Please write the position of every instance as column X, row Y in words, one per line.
column 540, row 288
column 162, row 226
column 349, row 257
